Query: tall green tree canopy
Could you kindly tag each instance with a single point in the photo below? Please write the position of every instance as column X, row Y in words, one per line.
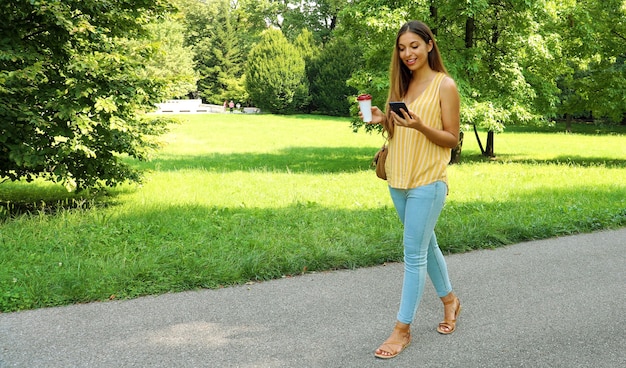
column 291, row 16
column 593, row 50
column 73, row 89
column 219, row 40
column 276, row 76
column 328, row 73
column 515, row 62
column 173, row 62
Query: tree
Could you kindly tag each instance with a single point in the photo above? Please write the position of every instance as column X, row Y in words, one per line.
column 275, row 75
column 328, row 74
column 593, row 43
column 221, row 58
column 308, row 49
column 515, row 62
column 212, row 31
column 173, row 63
column 501, row 63
column 291, row 16
column 483, row 43
column 306, row 45
column 73, row 86
column 221, row 34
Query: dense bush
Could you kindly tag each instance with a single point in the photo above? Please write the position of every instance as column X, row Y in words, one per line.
column 328, row 74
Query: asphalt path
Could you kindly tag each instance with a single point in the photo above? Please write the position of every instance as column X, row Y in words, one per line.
column 551, row 303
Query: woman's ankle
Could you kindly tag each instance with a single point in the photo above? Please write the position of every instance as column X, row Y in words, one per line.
column 448, row 298
column 402, row 328
column 402, row 325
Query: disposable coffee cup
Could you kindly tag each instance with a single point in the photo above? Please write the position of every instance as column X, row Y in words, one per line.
column 365, row 104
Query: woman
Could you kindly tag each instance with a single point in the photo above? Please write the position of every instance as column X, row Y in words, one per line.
column 420, row 142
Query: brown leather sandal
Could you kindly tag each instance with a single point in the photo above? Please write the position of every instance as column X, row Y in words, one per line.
column 450, row 325
column 394, row 347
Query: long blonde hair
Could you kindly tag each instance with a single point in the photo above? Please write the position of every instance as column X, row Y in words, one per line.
column 400, row 75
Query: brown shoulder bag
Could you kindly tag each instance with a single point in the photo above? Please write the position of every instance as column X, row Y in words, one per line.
column 379, row 162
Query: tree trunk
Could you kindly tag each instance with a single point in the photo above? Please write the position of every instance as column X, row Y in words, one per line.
column 469, row 33
column 433, row 16
column 455, row 156
column 568, row 123
column 489, row 151
column 480, row 144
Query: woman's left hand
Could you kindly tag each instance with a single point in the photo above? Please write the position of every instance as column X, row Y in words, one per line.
column 408, row 119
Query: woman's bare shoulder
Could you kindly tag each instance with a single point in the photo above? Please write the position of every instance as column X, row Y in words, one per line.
column 448, row 83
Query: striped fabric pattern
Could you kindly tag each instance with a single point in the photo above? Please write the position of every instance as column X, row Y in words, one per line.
column 413, row 160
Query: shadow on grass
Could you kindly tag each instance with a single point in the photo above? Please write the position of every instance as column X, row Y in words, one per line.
column 337, row 160
column 296, row 159
column 18, row 199
column 584, row 128
column 580, row 161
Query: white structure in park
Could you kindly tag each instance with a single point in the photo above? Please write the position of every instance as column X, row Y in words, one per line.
column 190, row 106
column 194, row 107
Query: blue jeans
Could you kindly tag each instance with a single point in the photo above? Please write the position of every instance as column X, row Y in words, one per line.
column 419, row 209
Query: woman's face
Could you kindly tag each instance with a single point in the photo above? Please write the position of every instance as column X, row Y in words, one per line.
column 413, row 51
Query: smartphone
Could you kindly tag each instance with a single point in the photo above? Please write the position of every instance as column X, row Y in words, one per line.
column 396, row 106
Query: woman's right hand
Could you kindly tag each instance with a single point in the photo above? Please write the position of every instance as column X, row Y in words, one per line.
column 377, row 116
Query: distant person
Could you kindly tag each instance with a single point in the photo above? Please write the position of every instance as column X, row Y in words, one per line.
column 225, row 105
column 231, row 106
column 238, row 106
column 419, row 151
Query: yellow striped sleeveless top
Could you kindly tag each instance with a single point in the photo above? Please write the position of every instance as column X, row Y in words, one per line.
column 413, row 160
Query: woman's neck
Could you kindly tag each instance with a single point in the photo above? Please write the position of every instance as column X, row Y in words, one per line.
column 422, row 75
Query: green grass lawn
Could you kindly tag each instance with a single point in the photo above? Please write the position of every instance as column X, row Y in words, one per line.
column 233, row 198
